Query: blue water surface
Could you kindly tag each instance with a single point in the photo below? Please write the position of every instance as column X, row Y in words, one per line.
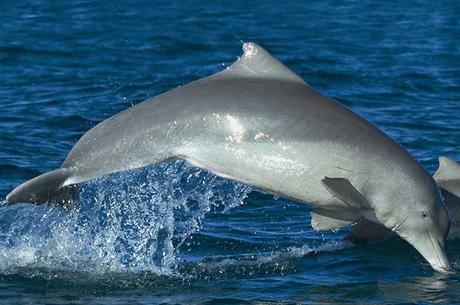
column 176, row 234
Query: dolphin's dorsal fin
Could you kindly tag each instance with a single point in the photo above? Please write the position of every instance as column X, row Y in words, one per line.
column 257, row 63
column 448, row 175
column 343, row 190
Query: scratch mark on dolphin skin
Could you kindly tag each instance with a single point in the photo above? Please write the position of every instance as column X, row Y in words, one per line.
column 247, row 68
column 350, row 170
column 339, row 157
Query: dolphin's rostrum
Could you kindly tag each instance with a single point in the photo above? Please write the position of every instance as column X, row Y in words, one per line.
column 259, row 123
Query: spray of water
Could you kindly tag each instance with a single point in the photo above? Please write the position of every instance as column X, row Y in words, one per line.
column 134, row 224
column 128, row 222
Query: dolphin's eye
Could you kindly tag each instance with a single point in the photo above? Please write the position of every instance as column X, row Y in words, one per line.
column 424, row 214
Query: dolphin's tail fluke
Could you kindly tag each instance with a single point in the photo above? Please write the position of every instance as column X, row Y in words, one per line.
column 47, row 188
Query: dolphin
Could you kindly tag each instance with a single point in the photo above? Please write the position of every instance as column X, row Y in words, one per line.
column 259, row 123
column 447, row 176
column 448, row 179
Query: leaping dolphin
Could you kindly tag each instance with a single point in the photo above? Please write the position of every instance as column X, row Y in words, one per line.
column 259, row 123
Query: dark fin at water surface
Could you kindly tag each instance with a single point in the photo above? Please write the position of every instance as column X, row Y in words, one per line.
column 47, row 188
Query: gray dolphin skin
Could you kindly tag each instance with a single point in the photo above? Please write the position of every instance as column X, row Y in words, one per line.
column 258, row 123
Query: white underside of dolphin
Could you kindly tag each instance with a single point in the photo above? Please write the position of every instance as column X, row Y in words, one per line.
column 259, row 123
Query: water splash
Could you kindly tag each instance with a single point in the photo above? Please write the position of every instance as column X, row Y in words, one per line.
column 128, row 222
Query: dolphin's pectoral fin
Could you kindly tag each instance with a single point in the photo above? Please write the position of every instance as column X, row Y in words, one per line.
column 343, row 190
column 330, row 219
column 324, row 223
column 338, row 217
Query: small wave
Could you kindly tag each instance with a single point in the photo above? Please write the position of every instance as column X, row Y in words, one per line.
column 21, row 170
column 275, row 262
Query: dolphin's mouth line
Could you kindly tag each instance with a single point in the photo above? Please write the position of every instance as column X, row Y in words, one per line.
column 439, row 259
column 398, row 226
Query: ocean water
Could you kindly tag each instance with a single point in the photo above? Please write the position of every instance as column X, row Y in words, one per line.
column 175, row 234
